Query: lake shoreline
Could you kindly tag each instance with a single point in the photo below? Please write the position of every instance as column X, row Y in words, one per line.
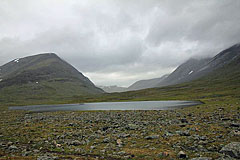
column 110, row 106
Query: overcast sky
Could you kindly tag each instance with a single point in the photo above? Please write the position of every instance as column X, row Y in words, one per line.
column 118, row 41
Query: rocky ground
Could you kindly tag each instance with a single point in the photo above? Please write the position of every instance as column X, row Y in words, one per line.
column 200, row 133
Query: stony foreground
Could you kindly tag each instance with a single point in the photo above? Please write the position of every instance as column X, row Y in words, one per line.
column 190, row 133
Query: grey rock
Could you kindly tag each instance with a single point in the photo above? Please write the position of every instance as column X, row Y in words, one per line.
column 235, row 124
column 183, row 133
column 182, row 154
column 152, row 137
column 232, row 149
column 167, row 134
column 184, row 120
column 132, row 127
column 12, row 147
column 75, row 143
column 106, row 140
column 121, row 153
column 36, row 150
column 26, row 153
column 46, row 158
column 202, row 158
column 226, row 158
column 235, row 133
column 203, row 142
column 123, row 135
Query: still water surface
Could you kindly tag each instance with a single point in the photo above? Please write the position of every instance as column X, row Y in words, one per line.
column 136, row 105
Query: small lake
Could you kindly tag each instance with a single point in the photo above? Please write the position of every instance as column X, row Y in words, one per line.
column 136, row 105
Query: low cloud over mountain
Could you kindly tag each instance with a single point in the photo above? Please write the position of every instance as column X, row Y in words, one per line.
column 118, row 41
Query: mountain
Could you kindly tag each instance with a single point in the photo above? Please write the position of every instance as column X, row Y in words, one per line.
column 44, row 74
column 191, row 70
column 143, row 84
column 197, row 68
column 185, row 72
column 219, row 85
column 112, row 89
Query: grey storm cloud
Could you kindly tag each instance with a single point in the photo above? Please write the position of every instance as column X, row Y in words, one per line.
column 118, row 41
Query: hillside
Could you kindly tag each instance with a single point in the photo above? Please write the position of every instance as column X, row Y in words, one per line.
column 223, row 83
column 197, row 68
column 43, row 75
column 190, row 70
column 200, row 78
column 185, row 72
column 112, row 89
column 222, row 80
column 149, row 83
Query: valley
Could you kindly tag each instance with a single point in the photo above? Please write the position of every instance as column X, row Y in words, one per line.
column 210, row 130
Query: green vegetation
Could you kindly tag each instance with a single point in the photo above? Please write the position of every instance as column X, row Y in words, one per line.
column 198, row 130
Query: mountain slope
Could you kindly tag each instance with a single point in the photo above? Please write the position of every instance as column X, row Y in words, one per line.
column 112, row 89
column 221, row 84
column 149, row 83
column 185, row 72
column 194, row 69
column 44, row 74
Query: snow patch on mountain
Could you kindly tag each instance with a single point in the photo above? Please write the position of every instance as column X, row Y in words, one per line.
column 190, row 72
column 16, row 60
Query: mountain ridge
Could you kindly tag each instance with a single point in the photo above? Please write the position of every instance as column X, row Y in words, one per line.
column 192, row 69
column 47, row 74
column 202, row 67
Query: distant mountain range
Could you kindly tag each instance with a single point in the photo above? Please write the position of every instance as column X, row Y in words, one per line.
column 112, row 89
column 188, row 71
column 47, row 75
column 142, row 84
column 44, row 74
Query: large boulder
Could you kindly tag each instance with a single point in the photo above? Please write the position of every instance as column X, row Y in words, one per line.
column 232, row 149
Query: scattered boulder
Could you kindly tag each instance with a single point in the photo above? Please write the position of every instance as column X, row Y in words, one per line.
column 123, row 135
column 226, row 158
column 236, row 133
column 235, row 124
column 182, row 154
column 183, row 133
column 46, row 158
column 12, row 147
column 121, row 153
column 106, row 140
column 232, row 149
column 152, row 137
column 132, row 127
column 184, row 120
column 202, row 158
column 105, row 128
column 75, row 143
